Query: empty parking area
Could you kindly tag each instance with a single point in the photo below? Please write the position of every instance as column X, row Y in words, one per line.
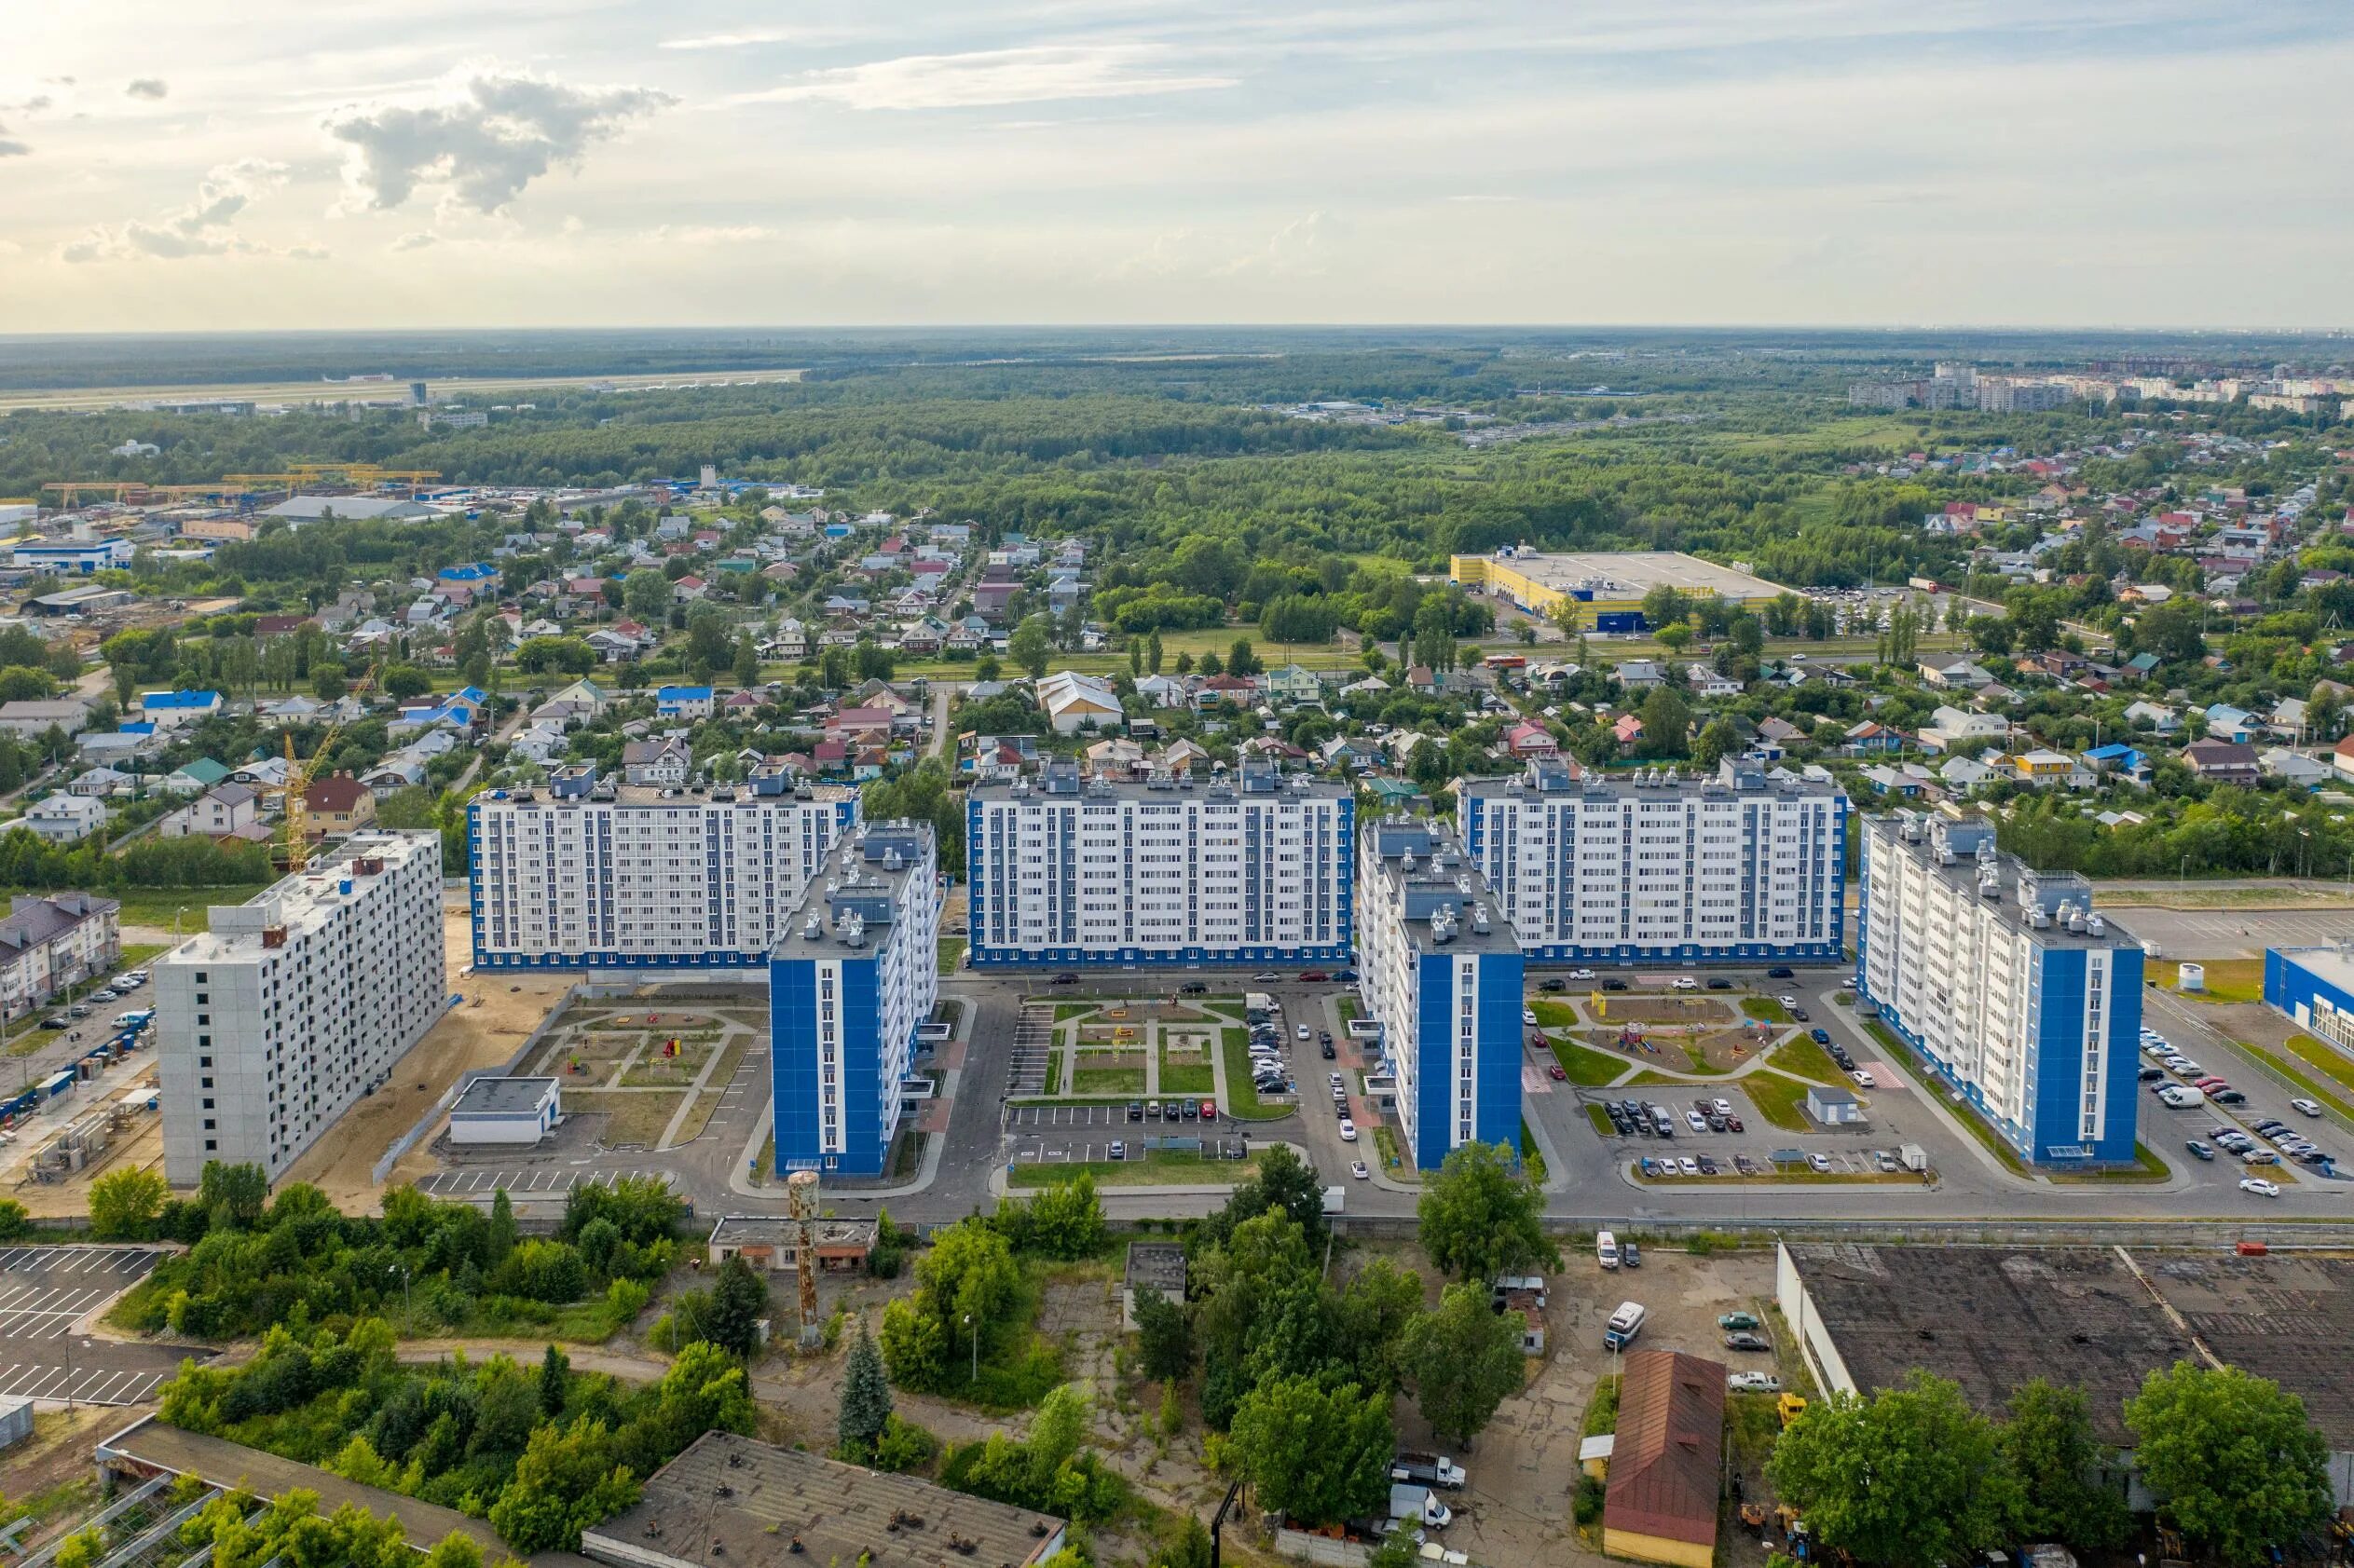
column 528, row 1182
column 43, row 1292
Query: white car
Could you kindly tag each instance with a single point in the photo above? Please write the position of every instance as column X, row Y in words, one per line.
column 1581, row 975
column 1788, row 1001
column 1528, row 1016
column 2258, row 1186
column 1303, row 1032
column 2305, row 1108
column 1686, row 983
column 1695, row 1121
column 1864, row 1079
column 1818, row 1161
column 1347, row 1130
column 1686, row 1166
column 1357, row 1168
column 1722, row 1106
column 1753, row 1382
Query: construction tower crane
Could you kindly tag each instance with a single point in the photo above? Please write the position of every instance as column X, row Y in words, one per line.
column 298, row 780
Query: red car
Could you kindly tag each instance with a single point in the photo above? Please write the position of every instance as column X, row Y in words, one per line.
column 1558, row 1074
column 1210, row 1111
column 1313, row 976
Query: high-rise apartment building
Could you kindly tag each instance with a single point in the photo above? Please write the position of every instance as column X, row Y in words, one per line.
column 1253, row 868
column 1441, row 970
column 298, row 1002
column 849, row 984
column 1657, row 866
column 589, row 874
column 2006, row 983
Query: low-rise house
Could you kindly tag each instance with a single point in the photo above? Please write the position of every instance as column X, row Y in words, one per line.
column 65, row 819
column 168, row 710
column 2042, row 765
column 101, row 782
column 683, row 702
column 337, row 804
column 33, row 717
column 1641, row 674
column 2120, row 761
column 1951, row 728
column 2224, row 761
column 2341, row 759
column 194, row 778
column 1954, row 673
column 2295, row 767
column 1525, row 740
column 1291, row 686
column 664, row 762
column 2163, row 720
column 1962, row 774
column 1871, row 737
column 219, row 812
column 2228, row 723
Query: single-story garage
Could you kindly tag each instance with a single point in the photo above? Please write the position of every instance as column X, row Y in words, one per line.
column 505, row 1110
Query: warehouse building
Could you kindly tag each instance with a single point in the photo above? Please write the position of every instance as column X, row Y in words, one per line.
column 1441, row 970
column 1657, row 866
column 854, row 975
column 1172, row 870
column 295, row 1004
column 2006, row 983
column 736, row 1501
column 1661, row 1502
column 2099, row 1320
column 1606, row 587
column 591, row 875
column 2314, row 987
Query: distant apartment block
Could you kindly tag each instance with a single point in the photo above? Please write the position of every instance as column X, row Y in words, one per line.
column 849, row 983
column 2007, row 984
column 48, row 944
column 590, row 875
column 1656, row 867
column 1254, row 867
column 298, row 1002
column 1441, row 970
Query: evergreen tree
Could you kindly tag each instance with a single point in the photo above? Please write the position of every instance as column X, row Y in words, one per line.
column 555, row 1382
column 866, row 1397
column 502, row 1229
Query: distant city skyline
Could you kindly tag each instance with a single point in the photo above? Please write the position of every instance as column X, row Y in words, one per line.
column 2066, row 163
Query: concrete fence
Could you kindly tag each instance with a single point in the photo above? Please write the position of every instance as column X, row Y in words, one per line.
column 1321, row 1550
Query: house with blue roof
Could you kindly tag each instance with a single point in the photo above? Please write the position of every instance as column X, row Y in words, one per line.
column 474, row 574
column 2228, row 723
column 683, row 702
column 2120, row 761
column 167, row 709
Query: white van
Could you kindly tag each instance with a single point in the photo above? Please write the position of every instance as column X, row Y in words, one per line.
column 1625, row 1324
column 1606, row 1249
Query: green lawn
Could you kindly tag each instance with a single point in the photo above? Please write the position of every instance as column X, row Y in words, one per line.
column 1385, row 1149
column 2307, row 1083
column 2330, row 1060
column 155, row 907
column 1066, row 1011
column 1188, row 1078
column 1587, row 1065
column 951, row 950
column 1553, row 1015
column 1108, row 1081
column 1601, row 1119
column 1160, row 1167
column 1241, row 1094
column 2229, row 980
column 1766, row 1010
column 1531, row 1157
column 1808, row 1061
column 1054, row 1074
column 2147, row 1167
column 1780, row 1100
column 1895, row 1053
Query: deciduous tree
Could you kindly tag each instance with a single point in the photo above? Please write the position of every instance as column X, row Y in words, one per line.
column 1911, row 1478
column 1464, row 1360
column 1479, row 1217
column 2232, row 1459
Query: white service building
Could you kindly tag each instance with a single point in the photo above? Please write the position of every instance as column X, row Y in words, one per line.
column 506, row 1112
column 1654, row 867
column 298, row 1002
column 1172, row 871
column 591, row 875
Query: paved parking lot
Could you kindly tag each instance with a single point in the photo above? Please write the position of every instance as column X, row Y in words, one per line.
column 45, row 1290
column 541, row 1181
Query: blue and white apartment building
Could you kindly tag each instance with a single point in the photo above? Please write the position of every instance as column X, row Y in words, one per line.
column 2314, row 987
column 1171, row 870
column 1440, row 969
column 590, row 875
column 1654, row 867
column 849, row 985
column 2006, row 983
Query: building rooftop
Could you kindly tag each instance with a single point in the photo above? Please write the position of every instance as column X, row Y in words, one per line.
column 1565, row 776
column 853, row 897
column 493, row 1096
column 1632, row 574
column 2333, row 965
column 2053, row 909
column 579, row 785
column 1254, row 781
column 766, row 1230
column 1160, row 1264
column 1991, row 1318
column 730, row 1499
column 1663, row 1465
column 2290, row 1318
column 308, row 900
column 1447, row 903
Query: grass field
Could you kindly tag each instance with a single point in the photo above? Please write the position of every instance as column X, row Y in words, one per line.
column 2303, row 1075
column 1808, row 1061
column 1780, row 1100
column 1587, row 1065
column 1553, row 1015
column 2332, row 1063
column 2147, row 1167
column 1601, row 1119
column 1108, row 1081
column 1765, row 1009
column 1385, row 1149
column 1160, row 1167
column 2228, row 980
column 636, row 1116
column 155, row 907
column 1241, row 1094
column 951, row 952
column 1190, row 1077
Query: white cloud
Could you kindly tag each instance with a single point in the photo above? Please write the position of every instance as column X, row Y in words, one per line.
column 421, row 239
column 500, row 131
column 766, row 37
column 711, row 233
column 1042, row 73
column 147, row 87
column 200, row 228
column 10, row 148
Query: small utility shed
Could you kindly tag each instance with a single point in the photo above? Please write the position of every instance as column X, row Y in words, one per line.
column 1158, row 1265
column 16, row 1419
column 772, row 1244
column 505, row 1110
column 1832, row 1108
column 1666, row 1461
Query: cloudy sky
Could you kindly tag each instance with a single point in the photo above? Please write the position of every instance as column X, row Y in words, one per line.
column 202, row 164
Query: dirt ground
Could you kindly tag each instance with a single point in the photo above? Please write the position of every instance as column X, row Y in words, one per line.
column 480, row 1032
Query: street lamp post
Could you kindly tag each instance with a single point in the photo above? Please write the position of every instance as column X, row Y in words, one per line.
column 968, row 1324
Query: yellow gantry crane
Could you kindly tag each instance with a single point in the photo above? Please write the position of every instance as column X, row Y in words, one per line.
column 298, row 475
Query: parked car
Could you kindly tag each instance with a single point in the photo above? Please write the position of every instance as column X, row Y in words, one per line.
column 1718, row 983
column 1066, row 979
column 1753, row 1382
column 1733, row 1320
column 1135, row 1110
column 1686, row 1166
column 1347, row 1130
column 1734, row 1123
column 1557, row 1074
column 1614, row 985
column 1528, row 1016
column 2258, row 1186
column 1707, row 1165
column 1630, row 1255
column 1192, row 987
column 1357, row 1168
column 1210, row 1111
column 1818, row 1161
column 1266, row 976
column 2199, row 1151
column 1552, row 986
column 1780, row 971
column 1120, row 1150
column 1581, row 975
column 1344, row 975
column 1686, row 983
column 1801, row 1014
column 1747, row 1341
column 1820, row 1036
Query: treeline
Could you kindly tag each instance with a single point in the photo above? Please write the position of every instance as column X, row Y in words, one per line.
column 28, row 861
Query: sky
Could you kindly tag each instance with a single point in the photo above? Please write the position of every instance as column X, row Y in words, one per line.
column 268, row 164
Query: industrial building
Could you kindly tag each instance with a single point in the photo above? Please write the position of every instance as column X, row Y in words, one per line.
column 1442, row 971
column 298, row 1002
column 2315, row 986
column 1657, row 866
column 853, row 977
column 2006, row 984
column 591, row 875
column 2096, row 1319
column 771, row 1243
column 1606, row 587
column 1171, row 870
column 1660, row 1505
column 736, row 1501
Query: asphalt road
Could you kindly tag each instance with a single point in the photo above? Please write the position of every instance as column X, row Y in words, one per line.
column 44, row 1291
